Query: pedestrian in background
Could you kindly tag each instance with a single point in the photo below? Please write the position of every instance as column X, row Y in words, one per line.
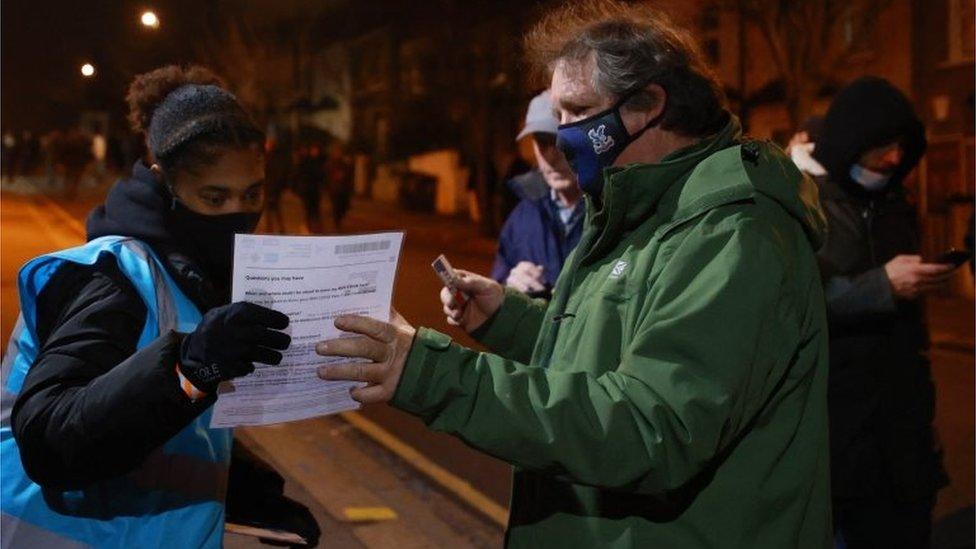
column 8, row 146
column 280, row 173
column 339, row 182
column 673, row 392
column 547, row 223
column 114, row 365
column 72, row 153
column 885, row 463
column 309, row 179
column 99, row 152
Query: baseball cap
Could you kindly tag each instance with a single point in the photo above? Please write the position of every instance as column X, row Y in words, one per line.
column 539, row 117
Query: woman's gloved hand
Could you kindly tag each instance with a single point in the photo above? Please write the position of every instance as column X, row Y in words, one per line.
column 229, row 340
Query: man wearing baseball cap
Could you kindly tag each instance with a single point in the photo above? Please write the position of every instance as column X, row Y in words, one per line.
column 547, row 223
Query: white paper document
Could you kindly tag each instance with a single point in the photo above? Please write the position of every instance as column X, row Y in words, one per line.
column 312, row 279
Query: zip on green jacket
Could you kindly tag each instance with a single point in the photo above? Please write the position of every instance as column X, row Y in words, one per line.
column 673, row 392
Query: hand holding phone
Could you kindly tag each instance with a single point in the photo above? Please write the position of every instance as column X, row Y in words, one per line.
column 469, row 300
column 953, row 257
column 911, row 276
column 447, row 275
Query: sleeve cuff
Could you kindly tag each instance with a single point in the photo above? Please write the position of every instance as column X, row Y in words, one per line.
column 504, row 326
column 429, row 347
column 180, row 390
column 886, row 296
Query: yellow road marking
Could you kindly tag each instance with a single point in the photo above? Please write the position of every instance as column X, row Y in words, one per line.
column 369, row 514
column 447, row 480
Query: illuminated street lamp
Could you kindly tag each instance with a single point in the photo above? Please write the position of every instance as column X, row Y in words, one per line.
column 88, row 70
column 149, row 19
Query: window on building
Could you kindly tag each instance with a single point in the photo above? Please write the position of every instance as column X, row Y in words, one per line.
column 713, row 51
column 711, row 18
column 710, row 22
column 415, row 66
column 960, row 32
column 848, row 29
column 371, row 63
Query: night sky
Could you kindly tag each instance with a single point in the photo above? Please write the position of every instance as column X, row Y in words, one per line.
column 45, row 42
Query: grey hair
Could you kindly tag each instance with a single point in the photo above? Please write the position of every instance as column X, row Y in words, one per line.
column 631, row 47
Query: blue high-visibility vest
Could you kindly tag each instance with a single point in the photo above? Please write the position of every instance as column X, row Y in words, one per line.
column 176, row 497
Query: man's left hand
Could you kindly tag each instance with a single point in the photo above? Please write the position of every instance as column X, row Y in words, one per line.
column 384, row 344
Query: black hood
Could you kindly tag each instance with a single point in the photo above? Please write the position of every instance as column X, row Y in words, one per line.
column 137, row 207
column 868, row 113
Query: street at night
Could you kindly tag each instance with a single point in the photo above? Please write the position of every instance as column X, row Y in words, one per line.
column 32, row 224
column 677, row 273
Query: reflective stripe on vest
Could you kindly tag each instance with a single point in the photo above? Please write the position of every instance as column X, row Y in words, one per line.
column 175, row 498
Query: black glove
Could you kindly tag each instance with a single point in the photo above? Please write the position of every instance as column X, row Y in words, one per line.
column 229, row 340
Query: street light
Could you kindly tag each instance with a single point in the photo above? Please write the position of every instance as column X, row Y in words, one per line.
column 88, row 70
column 149, row 19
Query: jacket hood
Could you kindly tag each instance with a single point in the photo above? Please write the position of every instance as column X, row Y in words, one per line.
column 137, row 207
column 868, row 113
column 750, row 169
column 721, row 169
column 774, row 175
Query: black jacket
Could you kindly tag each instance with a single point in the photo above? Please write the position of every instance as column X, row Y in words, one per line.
column 881, row 396
column 92, row 407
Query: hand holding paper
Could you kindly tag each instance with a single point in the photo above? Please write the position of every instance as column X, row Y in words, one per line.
column 384, row 344
column 313, row 280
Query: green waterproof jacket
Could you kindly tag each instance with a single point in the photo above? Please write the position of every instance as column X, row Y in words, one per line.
column 673, row 392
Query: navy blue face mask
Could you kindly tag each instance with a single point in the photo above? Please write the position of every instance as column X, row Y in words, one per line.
column 594, row 143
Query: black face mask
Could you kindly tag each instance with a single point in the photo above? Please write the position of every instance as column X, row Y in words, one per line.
column 209, row 239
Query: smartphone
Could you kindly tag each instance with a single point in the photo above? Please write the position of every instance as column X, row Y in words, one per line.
column 954, row 257
column 447, row 275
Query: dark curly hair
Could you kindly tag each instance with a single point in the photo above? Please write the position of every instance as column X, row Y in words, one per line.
column 148, row 90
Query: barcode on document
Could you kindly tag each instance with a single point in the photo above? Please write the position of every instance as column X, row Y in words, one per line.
column 362, row 247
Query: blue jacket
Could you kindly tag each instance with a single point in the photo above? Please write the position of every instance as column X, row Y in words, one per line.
column 175, row 497
column 533, row 231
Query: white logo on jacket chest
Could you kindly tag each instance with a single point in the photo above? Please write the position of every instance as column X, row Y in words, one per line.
column 618, row 269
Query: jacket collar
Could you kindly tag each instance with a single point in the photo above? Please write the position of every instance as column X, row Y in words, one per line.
column 636, row 192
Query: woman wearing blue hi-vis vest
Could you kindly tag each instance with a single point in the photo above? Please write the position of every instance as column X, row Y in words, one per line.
column 111, row 372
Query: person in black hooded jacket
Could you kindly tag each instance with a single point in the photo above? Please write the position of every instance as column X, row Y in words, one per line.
column 886, row 468
column 93, row 406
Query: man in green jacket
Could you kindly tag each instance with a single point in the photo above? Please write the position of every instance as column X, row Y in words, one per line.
column 673, row 392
